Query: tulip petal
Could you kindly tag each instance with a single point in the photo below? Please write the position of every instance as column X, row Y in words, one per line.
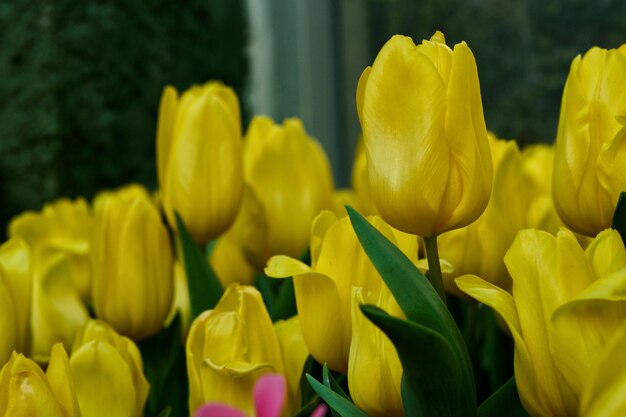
column 60, row 378
column 270, row 393
column 360, row 91
column 319, row 227
column 281, row 266
column 165, row 127
column 604, row 393
column 104, row 386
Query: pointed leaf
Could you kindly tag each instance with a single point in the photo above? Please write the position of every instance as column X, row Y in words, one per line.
column 335, row 401
column 504, row 402
column 205, row 289
column 433, row 384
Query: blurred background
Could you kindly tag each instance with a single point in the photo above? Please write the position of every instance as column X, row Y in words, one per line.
column 80, row 81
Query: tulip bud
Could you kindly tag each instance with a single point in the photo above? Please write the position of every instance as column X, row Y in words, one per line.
column 428, row 157
column 107, row 371
column 199, row 158
column 133, row 267
column 590, row 156
column 294, row 353
column 289, row 174
column 15, row 296
column 62, row 226
column 374, row 369
column 26, row 392
column 229, row 348
column 323, row 290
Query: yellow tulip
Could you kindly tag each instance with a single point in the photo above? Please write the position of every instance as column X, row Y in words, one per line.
column 229, row 348
column 107, row 371
column 289, row 174
column 295, row 353
column 323, row 290
column 57, row 311
column 25, row 391
column 126, row 192
column 558, row 291
column 480, row 247
column 199, row 158
column 133, row 266
column 590, row 156
column 374, row 369
column 428, row 157
column 15, row 297
column 62, row 226
column 230, row 264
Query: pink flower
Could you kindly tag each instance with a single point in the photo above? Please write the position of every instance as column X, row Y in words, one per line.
column 270, row 392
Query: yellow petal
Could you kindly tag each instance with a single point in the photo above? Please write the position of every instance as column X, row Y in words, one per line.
column 61, row 382
column 165, row 126
column 104, row 385
column 281, row 266
column 604, row 392
column 295, row 353
column 407, row 166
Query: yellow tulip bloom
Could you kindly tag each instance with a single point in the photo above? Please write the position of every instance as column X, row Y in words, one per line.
column 229, row 348
column 25, row 391
column 361, row 183
column 107, row 371
column 62, row 226
column 289, row 174
column 590, row 156
column 421, row 114
column 324, row 290
column 133, row 266
column 558, row 291
column 374, row 368
column 199, row 158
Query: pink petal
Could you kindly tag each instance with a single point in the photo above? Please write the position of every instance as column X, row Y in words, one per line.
column 269, row 395
column 218, row 410
column 320, row 411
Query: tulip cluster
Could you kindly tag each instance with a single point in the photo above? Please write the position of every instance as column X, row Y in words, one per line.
column 247, row 285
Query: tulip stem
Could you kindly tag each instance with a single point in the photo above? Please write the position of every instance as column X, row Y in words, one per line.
column 434, row 267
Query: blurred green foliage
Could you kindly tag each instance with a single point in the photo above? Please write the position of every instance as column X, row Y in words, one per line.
column 523, row 49
column 80, row 83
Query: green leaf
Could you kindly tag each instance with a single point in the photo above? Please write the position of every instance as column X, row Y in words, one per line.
column 504, row 402
column 205, row 289
column 335, row 401
column 414, row 293
column 330, row 382
column 311, row 367
column 433, row 383
column 165, row 369
column 619, row 217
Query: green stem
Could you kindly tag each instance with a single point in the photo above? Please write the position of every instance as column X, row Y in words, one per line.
column 434, row 267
